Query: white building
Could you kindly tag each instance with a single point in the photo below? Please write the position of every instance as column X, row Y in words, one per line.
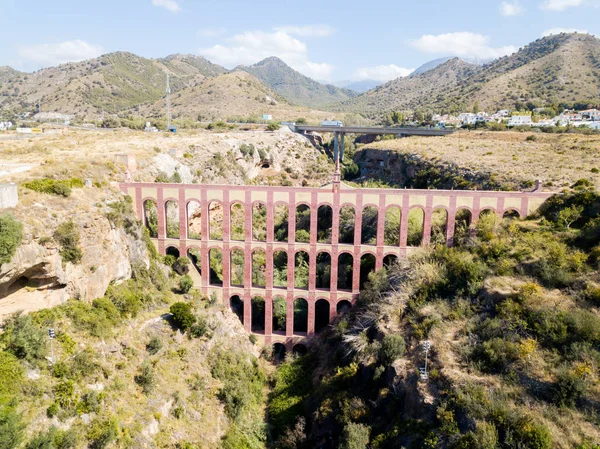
column 520, row 120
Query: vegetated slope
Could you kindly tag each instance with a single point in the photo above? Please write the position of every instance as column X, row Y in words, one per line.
column 412, row 92
column 232, row 95
column 295, row 87
column 111, row 82
column 513, row 317
column 557, row 69
column 430, row 65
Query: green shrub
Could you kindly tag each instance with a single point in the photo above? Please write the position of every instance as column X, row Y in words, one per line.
column 273, row 126
column 53, row 186
column 182, row 315
column 185, row 283
column 64, row 392
column 154, row 345
column 11, row 428
column 200, row 329
column 568, row 389
column 355, row 436
column 11, row 373
column 392, row 348
column 146, row 378
column 496, row 354
column 52, row 410
column 67, row 236
column 102, row 432
column 91, row 402
column 24, row 339
column 11, row 236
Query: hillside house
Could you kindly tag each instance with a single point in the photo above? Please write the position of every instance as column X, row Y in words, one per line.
column 520, row 120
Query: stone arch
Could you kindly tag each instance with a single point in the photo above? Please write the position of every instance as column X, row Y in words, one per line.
column 259, row 268
column 393, row 218
column 343, row 307
column 172, row 251
column 439, row 226
column 193, row 254
column 303, row 223
column 416, row 220
column 390, row 260
column 511, row 214
column 258, row 314
column 151, row 217
column 301, row 269
column 172, row 219
column 462, row 225
column 487, row 223
column 237, row 221
column 279, row 314
column 345, row 271
column 300, row 349
column 281, row 222
column 323, row 270
column 236, row 266
column 300, row 315
column 194, row 220
column 259, row 222
column 347, row 224
column 278, row 352
column 236, row 304
column 324, row 223
column 280, row 268
column 321, row 314
column 215, row 220
column 367, row 266
column 215, row 264
column 368, row 234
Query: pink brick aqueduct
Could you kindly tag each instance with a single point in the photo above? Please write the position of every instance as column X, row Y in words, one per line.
column 336, row 196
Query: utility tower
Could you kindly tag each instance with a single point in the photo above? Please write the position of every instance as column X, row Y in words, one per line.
column 168, row 103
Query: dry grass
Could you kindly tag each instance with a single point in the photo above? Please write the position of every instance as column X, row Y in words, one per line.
column 557, row 159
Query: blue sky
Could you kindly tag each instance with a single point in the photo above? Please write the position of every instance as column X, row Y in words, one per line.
column 327, row 40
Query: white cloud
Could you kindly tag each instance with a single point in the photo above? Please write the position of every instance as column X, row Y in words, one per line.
column 212, row 32
column 465, row 44
column 381, row 73
column 510, row 9
column 563, row 30
column 253, row 46
column 307, row 30
column 171, row 5
column 561, row 5
column 54, row 54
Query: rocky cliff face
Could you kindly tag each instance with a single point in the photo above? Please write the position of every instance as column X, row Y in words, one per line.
column 37, row 277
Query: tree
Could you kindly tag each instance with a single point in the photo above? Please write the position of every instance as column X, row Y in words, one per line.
column 476, row 108
column 182, row 315
column 392, row 348
column 11, row 429
column 355, row 436
column 185, row 283
column 25, row 339
column 569, row 215
column 11, row 236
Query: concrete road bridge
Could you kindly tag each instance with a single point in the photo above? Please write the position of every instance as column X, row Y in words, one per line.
column 288, row 260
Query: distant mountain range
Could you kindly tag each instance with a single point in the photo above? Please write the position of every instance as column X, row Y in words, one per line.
column 359, row 86
column 562, row 68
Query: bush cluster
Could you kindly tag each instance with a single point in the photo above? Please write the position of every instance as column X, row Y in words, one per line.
column 11, row 236
column 53, row 186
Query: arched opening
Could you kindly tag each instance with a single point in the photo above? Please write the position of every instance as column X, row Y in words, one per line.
column 511, row 214
column 416, row 219
column 369, row 226
column 303, row 223
column 324, row 224
column 462, row 225
column 259, row 268
column 390, row 260
column 194, row 220
column 487, row 224
column 300, row 349
column 345, row 269
column 237, row 267
column 281, row 222
column 172, row 217
column 347, row 222
column 194, row 256
column 215, row 264
column 439, row 226
column 323, row 270
column 302, row 260
column 391, row 233
column 237, row 306
column 258, row 314
column 300, row 315
column 172, row 251
column 279, row 314
column 367, row 266
column 237, row 221
column 259, row 222
column 343, row 307
column 151, row 218
column 321, row 314
column 278, row 353
column 280, row 269
column 215, row 220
